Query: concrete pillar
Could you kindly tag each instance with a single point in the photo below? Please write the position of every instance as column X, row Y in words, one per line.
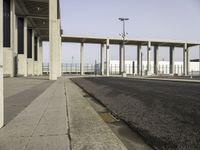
column 10, row 52
column 149, row 58
column 139, row 48
column 171, row 60
column 82, row 59
column 31, row 60
column 121, row 57
column 54, row 36
column 107, row 57
column 102, row 58
column 1, row 66
column 156, row 60
column 40, row 58
column 22, row 58
column 185, row 60
column 59, row 69
column 36, row 62
column 124, row 59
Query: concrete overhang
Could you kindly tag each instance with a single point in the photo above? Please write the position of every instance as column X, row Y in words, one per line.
column 129, row 41
column 37, row 14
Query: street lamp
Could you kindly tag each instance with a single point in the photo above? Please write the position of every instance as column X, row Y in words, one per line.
column 123, row 34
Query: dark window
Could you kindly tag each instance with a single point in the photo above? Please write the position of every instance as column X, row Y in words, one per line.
column 35, row 50
column 6, row 23
column 20, row 35
column 29, row 43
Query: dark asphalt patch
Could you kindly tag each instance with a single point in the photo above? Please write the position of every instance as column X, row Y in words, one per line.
column 166, row 114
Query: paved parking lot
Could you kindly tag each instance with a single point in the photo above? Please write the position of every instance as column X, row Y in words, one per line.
column 165, row 113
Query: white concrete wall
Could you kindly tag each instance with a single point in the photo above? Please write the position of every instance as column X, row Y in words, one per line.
column 1, row 66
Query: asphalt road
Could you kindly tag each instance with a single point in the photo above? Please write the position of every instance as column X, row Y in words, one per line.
column 165, row 113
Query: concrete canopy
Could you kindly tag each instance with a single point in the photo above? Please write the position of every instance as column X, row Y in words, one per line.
column 129, row 41
column 37, row 14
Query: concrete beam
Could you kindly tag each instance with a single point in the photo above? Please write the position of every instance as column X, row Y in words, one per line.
column 107, row 57
column 139, row 48
column 102, row 58
column 82, row 59
column 156, row 60
column 171, row 60
column 1, row 66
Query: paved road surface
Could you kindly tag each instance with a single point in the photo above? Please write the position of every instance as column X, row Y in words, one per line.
column 166, row 114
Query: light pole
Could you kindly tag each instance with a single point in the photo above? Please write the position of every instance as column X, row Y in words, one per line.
column 123, row 34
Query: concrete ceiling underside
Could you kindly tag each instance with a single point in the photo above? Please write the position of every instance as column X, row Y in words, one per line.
column 129, row 41
column 37, row 13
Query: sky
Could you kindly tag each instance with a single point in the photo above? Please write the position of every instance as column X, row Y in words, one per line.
column 149, row 19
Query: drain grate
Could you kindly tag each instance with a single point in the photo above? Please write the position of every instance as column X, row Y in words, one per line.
column 108, row 117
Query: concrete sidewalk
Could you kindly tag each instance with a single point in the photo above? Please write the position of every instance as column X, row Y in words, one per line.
column 60, row 118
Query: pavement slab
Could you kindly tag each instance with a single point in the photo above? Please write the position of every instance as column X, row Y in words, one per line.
column 41, row 125
column 87, row 130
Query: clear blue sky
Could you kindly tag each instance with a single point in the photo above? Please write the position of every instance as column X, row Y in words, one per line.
column 149, row 19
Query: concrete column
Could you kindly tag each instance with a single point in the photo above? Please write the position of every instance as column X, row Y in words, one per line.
column 25, row 47
column 102, row 58
column 107, row 57
column 156, row 60
column 1, row 66
column 30, row 60
column 35, row 62
column 22, row 58
column 139, row 48
column 59, row 69
column 171, row 60
column 185, row 60
column 40, row 58
column 121, row 57
column 82, row 59
column 124, row 59
column 54, row 36
column 10, row 52
column 149, row 58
